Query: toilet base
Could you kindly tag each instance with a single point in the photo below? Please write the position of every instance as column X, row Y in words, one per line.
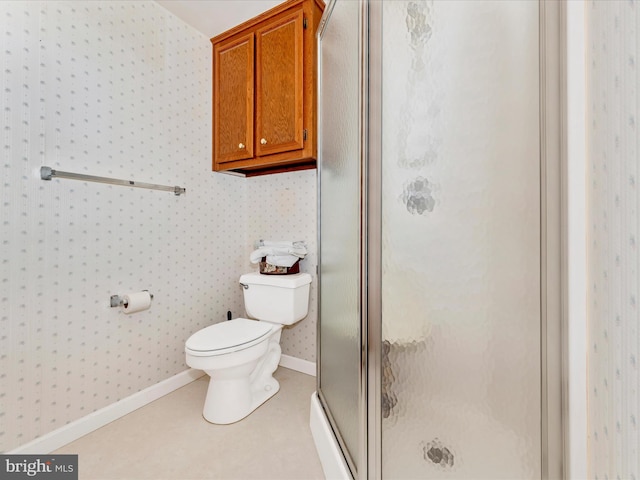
column 247, row 399
column 232, row 399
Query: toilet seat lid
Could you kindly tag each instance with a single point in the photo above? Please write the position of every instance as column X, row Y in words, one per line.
column 229, row 334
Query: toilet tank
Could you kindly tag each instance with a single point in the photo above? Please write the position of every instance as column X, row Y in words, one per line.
column 282, row 299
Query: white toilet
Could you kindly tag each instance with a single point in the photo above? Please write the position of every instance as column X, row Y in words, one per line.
column 241, row 355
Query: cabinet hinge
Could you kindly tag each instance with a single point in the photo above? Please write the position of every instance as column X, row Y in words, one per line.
column 304, row 134
column 304, row 23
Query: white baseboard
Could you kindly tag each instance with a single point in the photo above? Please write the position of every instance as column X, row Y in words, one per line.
column 87, row 424
column 78, row 428
column 299, row 365
column 331, row 458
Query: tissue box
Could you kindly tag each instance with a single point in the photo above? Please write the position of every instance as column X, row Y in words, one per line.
column 268, row 269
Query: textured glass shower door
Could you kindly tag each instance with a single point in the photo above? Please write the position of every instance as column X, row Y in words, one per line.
column 438, row 343
column 340, row 193
column 461, row 319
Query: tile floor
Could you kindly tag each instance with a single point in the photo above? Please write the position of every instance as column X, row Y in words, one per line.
column 169, row 440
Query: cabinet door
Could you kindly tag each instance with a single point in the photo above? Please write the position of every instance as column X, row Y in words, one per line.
column 233, row 100
column 279, row 85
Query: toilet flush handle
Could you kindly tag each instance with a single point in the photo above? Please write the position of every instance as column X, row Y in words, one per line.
column 244, row 285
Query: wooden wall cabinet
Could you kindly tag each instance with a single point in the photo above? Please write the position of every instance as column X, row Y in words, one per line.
column 264, row 92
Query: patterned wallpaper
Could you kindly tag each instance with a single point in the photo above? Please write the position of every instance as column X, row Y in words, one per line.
column 116, row 89
column 613, row 53
column 283, row 207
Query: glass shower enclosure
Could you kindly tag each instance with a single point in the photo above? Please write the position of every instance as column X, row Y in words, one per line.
column 434, row 351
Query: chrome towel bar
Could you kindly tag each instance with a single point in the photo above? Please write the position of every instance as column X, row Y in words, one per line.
column 47, row 173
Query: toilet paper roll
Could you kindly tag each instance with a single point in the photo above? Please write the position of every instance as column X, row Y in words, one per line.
column 135, row 302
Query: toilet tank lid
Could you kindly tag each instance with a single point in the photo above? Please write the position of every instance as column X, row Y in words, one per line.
column 284, row 281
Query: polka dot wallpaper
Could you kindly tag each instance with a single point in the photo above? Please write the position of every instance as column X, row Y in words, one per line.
column 283, row 207
column 613, row 49
column 123, row 90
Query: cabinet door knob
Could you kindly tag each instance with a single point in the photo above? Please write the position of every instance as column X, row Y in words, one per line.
column 241, row 146
column 263, row 141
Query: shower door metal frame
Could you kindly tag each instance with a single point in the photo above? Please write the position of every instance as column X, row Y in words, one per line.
column 553, row 269
column 372, row 244
column 553, row 238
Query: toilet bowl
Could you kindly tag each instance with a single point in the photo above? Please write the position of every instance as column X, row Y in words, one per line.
column 240, row 355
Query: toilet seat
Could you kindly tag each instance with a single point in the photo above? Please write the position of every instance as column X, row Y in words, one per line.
column 227, row 337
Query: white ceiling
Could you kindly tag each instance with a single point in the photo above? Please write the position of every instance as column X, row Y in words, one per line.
column 212, row 17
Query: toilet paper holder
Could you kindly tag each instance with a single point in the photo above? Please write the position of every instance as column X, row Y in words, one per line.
column 118, row 301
